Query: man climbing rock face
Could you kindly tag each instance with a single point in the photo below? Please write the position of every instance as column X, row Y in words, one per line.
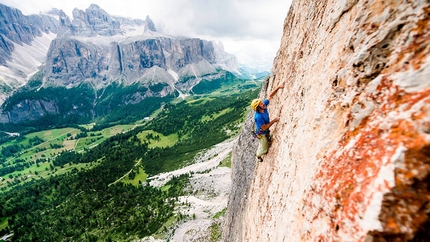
column 263, row 123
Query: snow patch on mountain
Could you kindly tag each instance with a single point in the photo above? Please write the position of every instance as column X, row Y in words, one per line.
column 197, row 69
column 156, row 75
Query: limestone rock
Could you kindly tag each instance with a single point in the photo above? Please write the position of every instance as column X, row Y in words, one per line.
column 29, row 110
column 70, row 62
column 350, row 159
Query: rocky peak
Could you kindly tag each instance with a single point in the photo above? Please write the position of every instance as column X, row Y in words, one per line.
column 149, row 25
column 350, row 156
column 93, row 21
column 15, row 26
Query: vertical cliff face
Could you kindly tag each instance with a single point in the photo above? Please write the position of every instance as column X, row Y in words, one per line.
column 350, row 159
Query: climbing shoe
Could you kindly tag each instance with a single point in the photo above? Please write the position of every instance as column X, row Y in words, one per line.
column 259, row 159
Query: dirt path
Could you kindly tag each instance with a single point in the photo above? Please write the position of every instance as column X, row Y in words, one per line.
column 126, row 174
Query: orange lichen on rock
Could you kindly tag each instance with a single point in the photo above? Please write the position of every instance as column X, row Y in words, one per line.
column 350, row 174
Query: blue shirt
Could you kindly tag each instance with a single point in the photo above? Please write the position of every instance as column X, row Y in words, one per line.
column 261, row 119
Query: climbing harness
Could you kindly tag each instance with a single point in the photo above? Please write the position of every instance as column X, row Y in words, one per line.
column 258, row 135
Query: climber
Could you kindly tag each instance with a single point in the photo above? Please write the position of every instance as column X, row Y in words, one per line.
column 263, row 123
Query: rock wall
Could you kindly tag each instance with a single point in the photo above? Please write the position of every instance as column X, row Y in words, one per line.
column 350, row 159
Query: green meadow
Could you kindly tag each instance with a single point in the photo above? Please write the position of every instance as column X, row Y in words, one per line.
column 38, row 148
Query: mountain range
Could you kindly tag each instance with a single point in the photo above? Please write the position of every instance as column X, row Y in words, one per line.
column 96, row 56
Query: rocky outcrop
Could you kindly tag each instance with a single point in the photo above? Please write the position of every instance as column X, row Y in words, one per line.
column 127, row 59
column 70, row 62
column 135, row 58
column 15, row 26
column 243, row 169
column 94, row 21
column 185, row 51
column 29, row 110
column 350, row 158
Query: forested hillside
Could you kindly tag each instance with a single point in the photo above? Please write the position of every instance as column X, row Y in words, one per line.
column 86, row 197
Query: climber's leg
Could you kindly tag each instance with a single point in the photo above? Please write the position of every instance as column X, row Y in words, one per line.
column 262, row 146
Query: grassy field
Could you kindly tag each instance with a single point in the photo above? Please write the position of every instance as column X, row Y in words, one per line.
column 50, row 143
column 164, row 141
column 208, row 118
column 95, row 138
column 140, row 177
column 42, row 150
column 63, row 138
column 3, row 223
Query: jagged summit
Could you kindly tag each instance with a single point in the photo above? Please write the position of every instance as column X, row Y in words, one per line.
column 16, row 28
column 149, row 25
column 93, row 21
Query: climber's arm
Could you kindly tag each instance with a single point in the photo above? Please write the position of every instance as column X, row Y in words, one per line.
column 272, row 94
column 268, row 125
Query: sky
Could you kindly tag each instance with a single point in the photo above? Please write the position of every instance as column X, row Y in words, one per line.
column 249, row 29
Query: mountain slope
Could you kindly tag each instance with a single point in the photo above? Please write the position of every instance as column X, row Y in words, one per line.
column 24, row 41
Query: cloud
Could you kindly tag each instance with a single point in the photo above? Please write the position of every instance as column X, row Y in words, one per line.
column 225, row 18
column 250, row 29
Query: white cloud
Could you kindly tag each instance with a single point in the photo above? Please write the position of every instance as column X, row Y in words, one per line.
column 253, row 26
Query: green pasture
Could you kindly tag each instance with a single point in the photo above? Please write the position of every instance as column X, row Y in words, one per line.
column 165, row 188
column 165, row 141
column 42, row 170
column 216, row 115
column 53, row 143
column 198, row 101
column 42, row 150
column 66, row 139
column 63, row 138
column 111, row 131
column 140, row 176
